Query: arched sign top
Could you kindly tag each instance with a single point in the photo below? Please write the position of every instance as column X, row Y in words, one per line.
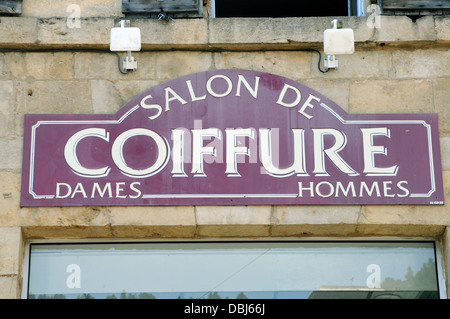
column 231, row 137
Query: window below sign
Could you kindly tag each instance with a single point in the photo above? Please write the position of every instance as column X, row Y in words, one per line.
column 263, row 270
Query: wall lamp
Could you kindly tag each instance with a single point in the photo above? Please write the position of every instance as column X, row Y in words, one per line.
column 126, row 39
column 337, row 41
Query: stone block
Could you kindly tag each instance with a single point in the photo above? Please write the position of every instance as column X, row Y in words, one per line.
column 441, row 90
column 421, row 63
column 388, row 96
column 401, row 29
column 153, row 216
column 315, row 221
column 127, row 90
column 9, row 286
column 66, row 97
column 311, row 215
column 314, row 231
column 422, row 215
column 359, row 65
column 17, row 31
column 445, row 153
column 105, row 98
column 71, row 8
column 233, row 215
column 336, row 90
column 170, row 65
column 4, row 68
column 10, row 187
column 295, row 65
column 93, row 33
column 235, row 231
column 153, row 222
column 11, row 155
column 49, row 66
column 156, row 34
column 10, row 250
column 105, row 66
column 442, row 27
column 64, row 218
column 280, row 32
column 16, row 64
column 233, row 221
column 7, row 109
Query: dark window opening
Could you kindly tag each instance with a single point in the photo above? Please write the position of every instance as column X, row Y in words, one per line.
column 282, row 8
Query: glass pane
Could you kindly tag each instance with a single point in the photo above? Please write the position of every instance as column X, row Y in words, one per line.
column 263, row 270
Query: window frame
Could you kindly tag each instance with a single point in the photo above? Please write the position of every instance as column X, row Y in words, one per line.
column 437, row 244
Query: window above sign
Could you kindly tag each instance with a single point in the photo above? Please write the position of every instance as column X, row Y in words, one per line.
column 10, row 7
column 284, row 8
column 281, row 8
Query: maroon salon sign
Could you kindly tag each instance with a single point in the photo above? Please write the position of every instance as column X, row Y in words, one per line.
column 231, row 137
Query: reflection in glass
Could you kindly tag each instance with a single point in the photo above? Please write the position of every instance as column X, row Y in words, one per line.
column 234, row 270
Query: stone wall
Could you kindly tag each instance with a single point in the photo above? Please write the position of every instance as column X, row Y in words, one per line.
column 403, row 67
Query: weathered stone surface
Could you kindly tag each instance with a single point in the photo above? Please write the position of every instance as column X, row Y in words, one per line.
column 401, row 29
column 361, row 64
column 233, row 221
column 10, row 287
column 128, row 89
column 421, row 63
column 49, row 66
column 98, row 66
column 10, row 181
column 445, row 153
column 16, row 63
column 153, row 222
column 47, row 30
column 10, row 243
column 193, row 32
column 442, row 27
column 11, row 157
column 7, row 108
column 17, row 31
column 295, row 65
column 170, row 65
column 4, row 68
column 10, row 261
column 59, row 96
column 233, row 215
column 441, row 88
column 71, row 8
column 105, row 98
column 387, row 96
column 336, row 90
column 311, row 215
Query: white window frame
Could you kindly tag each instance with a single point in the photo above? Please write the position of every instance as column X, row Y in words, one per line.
column 438, row 249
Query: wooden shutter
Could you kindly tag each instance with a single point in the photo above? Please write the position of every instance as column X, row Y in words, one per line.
column 418, row 7
column 178, row 7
